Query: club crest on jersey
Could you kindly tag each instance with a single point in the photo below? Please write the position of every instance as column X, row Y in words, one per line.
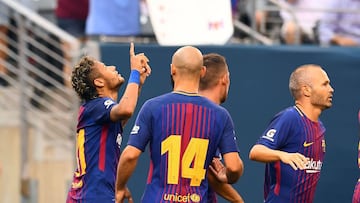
column 135, row 129
column 323, row 145
column 108, row 103
column 270, row 135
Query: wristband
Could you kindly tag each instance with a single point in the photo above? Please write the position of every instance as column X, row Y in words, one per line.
column 134, row 77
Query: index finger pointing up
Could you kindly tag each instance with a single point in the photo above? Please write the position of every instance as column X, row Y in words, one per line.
column 132, row 52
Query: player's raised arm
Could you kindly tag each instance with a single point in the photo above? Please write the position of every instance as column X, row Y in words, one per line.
column 139, row 72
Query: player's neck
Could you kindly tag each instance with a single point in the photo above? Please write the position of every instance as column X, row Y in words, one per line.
column 190, row 89
column 211, row 96
column 310, row 112
column 108, row 93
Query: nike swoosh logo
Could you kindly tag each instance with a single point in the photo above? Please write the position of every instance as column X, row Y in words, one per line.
column 308, row 144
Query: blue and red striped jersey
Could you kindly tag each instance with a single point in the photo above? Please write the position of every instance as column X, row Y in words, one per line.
column 212, row 197
column 98, row 150
column 291, row 131
column 356, row 194
column 183, row 131
column 359, row 143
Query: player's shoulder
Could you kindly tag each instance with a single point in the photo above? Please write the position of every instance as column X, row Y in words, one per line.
column 289, row 114
column 158, row 99
column 174, row 97
column 99, row 102
column 219, row 110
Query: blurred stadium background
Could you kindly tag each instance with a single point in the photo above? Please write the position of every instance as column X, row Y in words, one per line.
column 38, row 108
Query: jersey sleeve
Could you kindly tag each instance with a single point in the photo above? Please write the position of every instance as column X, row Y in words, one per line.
column 277, row 132
column 141, row 131
column 101, row 111
column 228, row 141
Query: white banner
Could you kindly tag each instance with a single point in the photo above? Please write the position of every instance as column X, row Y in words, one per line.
column 191, row 22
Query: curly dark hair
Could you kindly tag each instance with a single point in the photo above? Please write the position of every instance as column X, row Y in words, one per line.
column 82, row 78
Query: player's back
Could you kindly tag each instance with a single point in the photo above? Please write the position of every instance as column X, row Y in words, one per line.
column 185, row 131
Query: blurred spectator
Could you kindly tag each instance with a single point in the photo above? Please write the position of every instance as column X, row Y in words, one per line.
column 341, row 26
column 266, row 20
column 145, row 21
column 300, row 21
column 241, row 11
column 8, row 34
column 113, row 18
column 48, row 64
column 236, row 6
column 260, row 14
column 3, row 44
column 71, row 16
column 256, row 11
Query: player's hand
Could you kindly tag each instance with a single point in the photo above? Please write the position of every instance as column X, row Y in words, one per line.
column 139, row 62
column 146, row 72
column 219, row 170
column 122, row 195
column 295, row 160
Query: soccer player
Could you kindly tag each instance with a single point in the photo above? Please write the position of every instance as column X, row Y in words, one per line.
column 100, row 125
column 215, row 86
column 356, row 195
column 293, row 145
column 184, row 130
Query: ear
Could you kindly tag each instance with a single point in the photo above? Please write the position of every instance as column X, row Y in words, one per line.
column 224, row 79
column 172, row 69
column 99, row 82
column 306, row 91
column 203, row 71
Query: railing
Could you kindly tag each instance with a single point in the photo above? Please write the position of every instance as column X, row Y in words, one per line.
column 35, row 84
column 37, row 70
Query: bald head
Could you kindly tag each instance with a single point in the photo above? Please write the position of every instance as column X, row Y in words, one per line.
column 303, row 75
column 188, row 59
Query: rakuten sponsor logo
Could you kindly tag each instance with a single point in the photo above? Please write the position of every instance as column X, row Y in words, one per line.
column 313, row 166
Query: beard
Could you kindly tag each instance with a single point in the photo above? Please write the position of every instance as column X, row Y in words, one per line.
column 223, row 99
column 116, row 83
column 321, row 102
